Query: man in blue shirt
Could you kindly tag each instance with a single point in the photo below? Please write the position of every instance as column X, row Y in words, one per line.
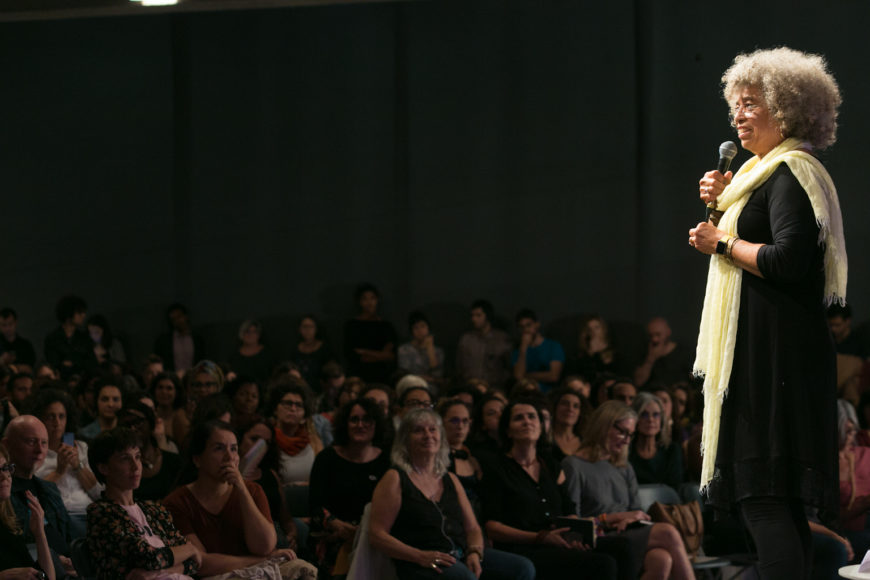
column 538, row 358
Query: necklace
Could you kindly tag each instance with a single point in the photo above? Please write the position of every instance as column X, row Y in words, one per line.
column 419, row 471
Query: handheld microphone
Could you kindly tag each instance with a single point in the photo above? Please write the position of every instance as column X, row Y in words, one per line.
column 727, row 153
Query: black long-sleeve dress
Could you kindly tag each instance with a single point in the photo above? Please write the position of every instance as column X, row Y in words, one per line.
column 778, row 430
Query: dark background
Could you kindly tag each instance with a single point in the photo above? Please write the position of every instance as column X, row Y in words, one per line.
column 540, row 153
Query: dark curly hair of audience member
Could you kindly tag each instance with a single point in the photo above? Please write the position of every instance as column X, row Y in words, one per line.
column 341, row 436
column 107, row 444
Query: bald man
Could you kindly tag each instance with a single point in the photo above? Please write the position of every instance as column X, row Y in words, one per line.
column 26, row 438
column 666, row 361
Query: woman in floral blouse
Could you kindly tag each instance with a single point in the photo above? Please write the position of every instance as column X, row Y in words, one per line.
column 131, row 540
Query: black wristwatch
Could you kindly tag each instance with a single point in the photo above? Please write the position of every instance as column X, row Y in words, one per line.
column 722, row 245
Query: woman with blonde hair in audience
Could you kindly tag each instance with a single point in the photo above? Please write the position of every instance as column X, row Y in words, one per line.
column 226, row 517
column 654, row 458
column 602, row 483
column 16, row 562
column 421, row 517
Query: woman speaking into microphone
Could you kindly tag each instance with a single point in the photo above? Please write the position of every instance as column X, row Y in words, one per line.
column 764, row 349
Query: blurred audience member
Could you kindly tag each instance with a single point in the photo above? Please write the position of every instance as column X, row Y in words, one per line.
column 484, row 352
column 595, row 352
column 570, row 410
column 105, row 345
column 311, row 352
column 252, row 358
column 14, row 349
column 68, row 347
column 420, row 356
column 66, row 460
column 537, row 358
column 245, row 395
column 109, row 402
column 369, row 340
column 179, row 348
column 666, row 361
column 205, row 379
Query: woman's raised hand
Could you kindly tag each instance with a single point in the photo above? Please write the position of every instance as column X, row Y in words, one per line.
column 711, row 185
column 232, row 475
column 37, row 515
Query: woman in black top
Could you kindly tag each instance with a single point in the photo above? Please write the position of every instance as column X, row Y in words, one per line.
column 343, row 480
column 764, row 346
column 523, row 496
column 421, row 516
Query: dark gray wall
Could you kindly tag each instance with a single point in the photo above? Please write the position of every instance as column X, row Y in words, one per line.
column 542, row 153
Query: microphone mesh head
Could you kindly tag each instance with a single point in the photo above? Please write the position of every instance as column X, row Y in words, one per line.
column 728, row 150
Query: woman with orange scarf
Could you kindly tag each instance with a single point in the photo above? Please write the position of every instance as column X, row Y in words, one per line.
column 297, row 441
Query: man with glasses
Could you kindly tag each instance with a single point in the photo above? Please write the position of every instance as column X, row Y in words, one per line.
column 26, row 439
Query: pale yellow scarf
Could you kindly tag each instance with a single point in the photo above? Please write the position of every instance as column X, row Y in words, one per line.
column 718, row 333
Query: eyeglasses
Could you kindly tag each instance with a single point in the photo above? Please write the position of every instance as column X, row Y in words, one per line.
column 648, row 415
column 457, row 421
column 357, row 419
column 749, row 110
column 8, row 469
column 624, row 433
column 291, row 404
column 418, row 404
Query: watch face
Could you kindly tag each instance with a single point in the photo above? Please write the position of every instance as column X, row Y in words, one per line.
column 720, row 246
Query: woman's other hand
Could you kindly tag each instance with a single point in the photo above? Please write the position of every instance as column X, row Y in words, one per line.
column 435, row 560
column 704, row 237
column 472, row 561
column 285, row 553
column 554, row 537
column 711, row 185
column 67, row 456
